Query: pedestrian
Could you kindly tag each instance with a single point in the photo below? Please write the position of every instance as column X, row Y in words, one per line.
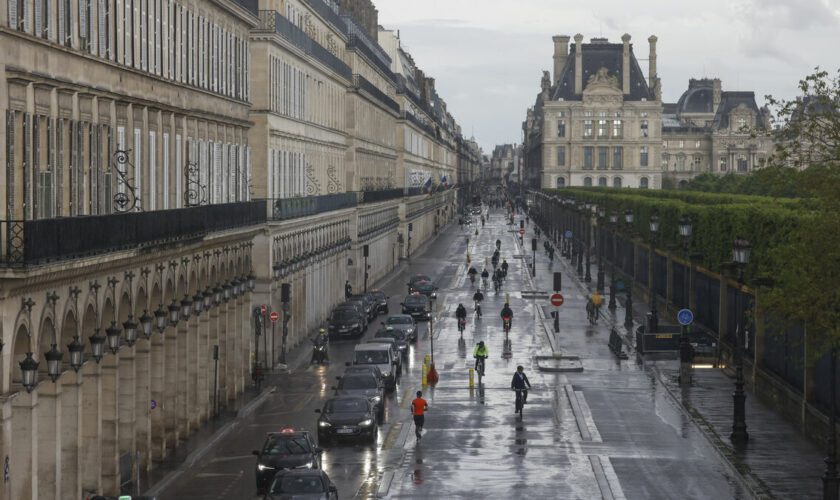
column 348, row 289
column 418, row 409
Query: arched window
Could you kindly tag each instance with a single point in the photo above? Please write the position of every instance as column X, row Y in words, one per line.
column 561, row 182
column 587, row 181
column 602, row 181
column 616, row 182
column 643, row 183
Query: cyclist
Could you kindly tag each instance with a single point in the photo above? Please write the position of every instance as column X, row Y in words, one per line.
column 507, row 313
column 593, row 305
column 482, row 221
column 504, row 268
column 472, row 272
column 418, row 409
column 480, row 352
column 484, row 276
column 498, row 244
column 477, row 298
column 520, row 383
column 461, row 315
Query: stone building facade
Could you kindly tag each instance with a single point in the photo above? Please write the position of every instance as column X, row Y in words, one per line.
column 168, row 165
column 599, row 122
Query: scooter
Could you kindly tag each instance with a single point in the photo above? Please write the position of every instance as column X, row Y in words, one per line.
column 320, row 353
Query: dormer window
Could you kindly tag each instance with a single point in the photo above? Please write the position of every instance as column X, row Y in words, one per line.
column 742, row 122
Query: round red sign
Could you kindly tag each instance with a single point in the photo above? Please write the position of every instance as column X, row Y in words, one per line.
column 557, row 299
column 522, row 231
column 274, row 316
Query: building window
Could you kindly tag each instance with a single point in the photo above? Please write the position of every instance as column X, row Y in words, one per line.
column 742, row 163
column 587, row 157
column 587, row 128
column 561, row 128
column 643, row 156
column 682, row 144
column 602, row 128
column 603, row 152
column 665, row 159
column 587, row 113
column 560, row 182
column 697, row 160
column 561, row 156
column 617, row 129
column 644, row 114
column 561, row 114
column 681, row 162
column 618, row 158
column 696, row 144
column 722, row 164
column 602, row 182
column 643, row 183
column 616, row 182
column 587, row 181
column 742, row 123
column 644, row 128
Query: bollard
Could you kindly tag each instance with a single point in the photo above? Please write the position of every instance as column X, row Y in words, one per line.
column 472, row 377
column 423, row 380
column 507, row 297
column 427, row 360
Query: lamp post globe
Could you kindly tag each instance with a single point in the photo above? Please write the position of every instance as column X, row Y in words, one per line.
column 97, row 345
column 29, row 372
column 160, row 318
column 130, row 328
column 53, row 357
column 174, row 312
column 277, row 270
column 218, row 294
column 226, row 291
column 77, row 353
column 207, row 297
column 685, row 226
column 186, row 307
column 252, row 281
column 613, row 218
column 198, row 303
column 654, row 224
column 146, row 323
column 112, row 333
column 628, row 217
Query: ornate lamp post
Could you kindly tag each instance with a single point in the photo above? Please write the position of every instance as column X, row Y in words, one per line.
column 29, row 371
column 130, row 329
column 628, row 308
column 186, row 307
column 599, row 243
column 685, row 229
column 614, row 227
column 97, row 345
column 147, row 324
column 654, row 232
column 53, row 357
column 77, row 353
column 590, row 211
column 198, row 303
column 739, row 437
column 831, row 484
column 113, row 336
column 160, row 318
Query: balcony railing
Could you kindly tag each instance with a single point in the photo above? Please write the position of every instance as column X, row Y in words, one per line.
column 292, row 208
column 329, row 11
column 48, row 240
column 272, row 20
column 251, row 6
column 429, row 129
column 364, row 84
column 382, row 195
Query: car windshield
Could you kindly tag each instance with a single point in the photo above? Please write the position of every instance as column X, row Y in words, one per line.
column 390, row 334
column 378, row 294
column 298, row 485
column 419, row 277
column 347, row 406
column 286, row 445
column 344, row 315
column 399, row 320
column 351, row 383
column 372, row 357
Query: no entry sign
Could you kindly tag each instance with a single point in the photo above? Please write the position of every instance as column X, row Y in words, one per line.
column 262, row 309
column 274, row 316
column 522, row 232
column 557, row 299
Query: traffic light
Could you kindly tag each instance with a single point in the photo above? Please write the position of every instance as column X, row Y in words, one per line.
column 365, row 250
column 558, row 281
column 285, row 292
column 534, row 244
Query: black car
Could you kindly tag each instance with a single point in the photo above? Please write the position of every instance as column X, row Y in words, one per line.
column 366, row 369
column 363, row 385
column 427, row 288
column 417, row 305
column 405, row 323
column 381, row 300
column 399, row 336
column 287, row 449
column 345, row 322
column 300, row 484
column 368, row 303
column 415, row 279
column 356, row 306
column 350, row 417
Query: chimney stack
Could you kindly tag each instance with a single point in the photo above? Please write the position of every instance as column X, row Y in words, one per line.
column 625, row 65
column 716, row 94
column 578, row 64
column 561, row 53
column 652, row 61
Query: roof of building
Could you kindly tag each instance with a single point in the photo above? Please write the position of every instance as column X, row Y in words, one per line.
column 699, row 98
column 594, row 57
column 730, row 101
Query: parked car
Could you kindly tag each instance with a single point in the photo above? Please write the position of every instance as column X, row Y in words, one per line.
column 345, row 322
column 365, row 369
column 405, row 323
column 416, row 305
column 362, row 385
column 287, row 449
column 358, row 307
column 381, row 300
column 347, row 417
column 381, row 356
column 368, row 303
column 396, row 355
column 399, row 336
column 302, row 483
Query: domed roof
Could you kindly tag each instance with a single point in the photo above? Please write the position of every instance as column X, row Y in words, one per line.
column 699, row 99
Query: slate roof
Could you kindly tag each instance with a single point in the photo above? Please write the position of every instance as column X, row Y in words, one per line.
column 595, row 56
column 697, row 99
column 730, row 101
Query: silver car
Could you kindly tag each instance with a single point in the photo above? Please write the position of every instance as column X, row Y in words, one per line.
column 405, row 323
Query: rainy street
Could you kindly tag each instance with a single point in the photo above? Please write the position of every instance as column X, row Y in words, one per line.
column 608, row 431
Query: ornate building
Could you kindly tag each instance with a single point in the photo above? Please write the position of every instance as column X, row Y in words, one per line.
column 599, row 122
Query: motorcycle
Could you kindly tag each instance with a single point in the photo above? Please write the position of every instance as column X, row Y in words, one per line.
column 320, row 353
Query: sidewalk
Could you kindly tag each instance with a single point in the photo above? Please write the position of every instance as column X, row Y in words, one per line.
column 778, row 462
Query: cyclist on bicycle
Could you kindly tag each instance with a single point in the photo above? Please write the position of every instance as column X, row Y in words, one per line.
column 480, row 352
column 498, row 244
column 593, row 305
column 472, row 272
column 477, row 298
column 520, row 383
column 507, row 313
column 484, row 276
column 461, row 314
column 504, row 268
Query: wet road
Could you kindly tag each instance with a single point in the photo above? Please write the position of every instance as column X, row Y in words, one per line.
column 608, row 432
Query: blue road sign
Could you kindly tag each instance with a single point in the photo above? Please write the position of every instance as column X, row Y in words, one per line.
column 154, row 404
column 685, row 317
column 568, row 233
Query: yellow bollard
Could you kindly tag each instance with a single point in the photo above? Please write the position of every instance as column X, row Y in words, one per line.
column 472, row 378
column 427, row 360
column 507, row 298
column 424, row 380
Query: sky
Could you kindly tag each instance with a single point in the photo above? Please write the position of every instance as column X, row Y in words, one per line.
column 487, row 56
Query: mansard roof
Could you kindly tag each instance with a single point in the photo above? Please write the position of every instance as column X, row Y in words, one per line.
column 730, row 101
column 594, row 57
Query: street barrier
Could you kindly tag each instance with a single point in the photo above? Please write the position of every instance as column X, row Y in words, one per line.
column 616, row 344
column 665, row 339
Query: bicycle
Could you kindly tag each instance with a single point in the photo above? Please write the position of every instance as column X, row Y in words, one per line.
column 478, row 309
column 479, row 368
column 462, row 324
column 472, row 279
column 591, row 313
column 519, row 403
column 506, row 324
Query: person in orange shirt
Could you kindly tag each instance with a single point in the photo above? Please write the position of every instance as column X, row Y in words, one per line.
column 418, row 408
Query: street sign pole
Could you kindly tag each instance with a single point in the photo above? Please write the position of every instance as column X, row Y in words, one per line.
column 685, row 317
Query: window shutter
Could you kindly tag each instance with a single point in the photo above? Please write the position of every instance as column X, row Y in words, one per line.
column 26, row 22
column 82, row 22
column 127, row 30
column 152, row 173
column 247, row 174
column 217, row 170
column 206, row 169
column 138, row 165
column 13, row 14
column 179, row 169
column 38, row 10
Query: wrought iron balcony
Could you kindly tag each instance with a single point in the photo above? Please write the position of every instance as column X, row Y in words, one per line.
column 274, row 21
column 292, row 208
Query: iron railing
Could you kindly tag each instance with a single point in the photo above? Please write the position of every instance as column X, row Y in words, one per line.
column 328, row 12
column 292, row 208
column 274, row 21
column 363, row 84
column 420, row 124
column 362, row 44
column 381, row 195
column 48, row 240
column 251, row 6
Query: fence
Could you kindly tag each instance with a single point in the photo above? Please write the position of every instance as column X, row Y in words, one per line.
column 292, row 208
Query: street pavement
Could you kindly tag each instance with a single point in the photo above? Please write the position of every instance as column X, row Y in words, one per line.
column 611, row 431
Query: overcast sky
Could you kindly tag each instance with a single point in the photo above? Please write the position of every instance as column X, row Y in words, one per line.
column 487, row 56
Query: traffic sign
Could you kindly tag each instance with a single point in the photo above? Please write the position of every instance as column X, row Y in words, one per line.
column 154, row 404
column 568, row 233
column 522, row 232
column 263, row 309
column 557, row 299
column 274, row 316
column 685, row 317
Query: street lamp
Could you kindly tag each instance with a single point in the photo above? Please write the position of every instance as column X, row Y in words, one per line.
column 614, row 226
column 226, row 291
column 628, row 307
column 277, row 270
column 207, row 297
column 53, row 357
column 599, row 243
column 685, row 228
column 29, row 371
column 198, row 303
column 252, row 281
column 218, row 294
column 146, row 323
column 113, row 335
column 654, row 315
column 739, row 437
column 160, row 318
column 77, row 353
column 97, row 345
column 174, row 312
column 186, row 307
column 588, row 219
column 130, row 328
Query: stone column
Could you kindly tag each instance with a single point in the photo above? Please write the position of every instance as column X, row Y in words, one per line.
column 236, row 339
column 142, row 403
column 157, row 379
column 192, row 354
column 205, row 358
column 71, row 435
column 625, row 64
column 127, row 403
column 226, row 387
column 90, row 454
column 109, row 438
column 170, row 388
column 48, row 438
column 578, row 64
column 24, row 469
column 182, row 388
column 214, row 366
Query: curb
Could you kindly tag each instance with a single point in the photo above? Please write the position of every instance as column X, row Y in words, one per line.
column 753, row 485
